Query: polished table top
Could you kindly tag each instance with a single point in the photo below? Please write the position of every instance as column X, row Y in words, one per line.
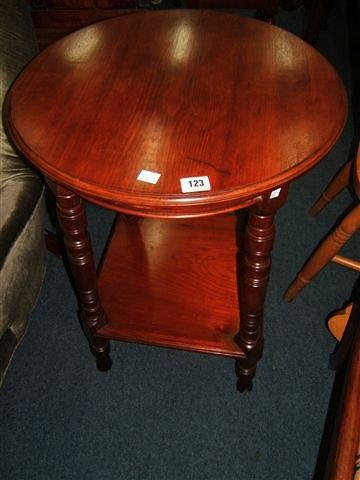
column 183, row 94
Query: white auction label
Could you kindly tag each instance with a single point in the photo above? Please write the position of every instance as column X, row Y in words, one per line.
column 275, row 193
column 195, row 184
column 148, row 177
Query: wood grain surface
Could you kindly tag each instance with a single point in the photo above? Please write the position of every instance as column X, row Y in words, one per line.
column 173, row 283
column 183, row 93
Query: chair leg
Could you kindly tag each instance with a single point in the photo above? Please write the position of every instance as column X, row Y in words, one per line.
column 337, row 185
column 325, row 252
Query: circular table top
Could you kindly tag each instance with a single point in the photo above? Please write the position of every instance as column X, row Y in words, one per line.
column 182, row 93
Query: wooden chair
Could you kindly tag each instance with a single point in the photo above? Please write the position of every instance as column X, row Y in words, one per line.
column 330, row 247
column 342, row 446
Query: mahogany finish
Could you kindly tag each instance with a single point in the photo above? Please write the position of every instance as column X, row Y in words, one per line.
column 73, row 222
column 212, row 94
column 173, row 283
column 255, row 264
column 178, row 106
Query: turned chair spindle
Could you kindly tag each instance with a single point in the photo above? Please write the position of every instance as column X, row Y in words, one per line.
column 329, row 249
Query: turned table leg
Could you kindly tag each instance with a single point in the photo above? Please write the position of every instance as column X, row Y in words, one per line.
column 254, row 271
column 72, row 220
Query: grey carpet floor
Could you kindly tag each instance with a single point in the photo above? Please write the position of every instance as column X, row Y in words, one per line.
column 168, row 415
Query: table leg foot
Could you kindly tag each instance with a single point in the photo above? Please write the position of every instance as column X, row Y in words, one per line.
column 245, row 368
column 100, row 348
column 245, row 376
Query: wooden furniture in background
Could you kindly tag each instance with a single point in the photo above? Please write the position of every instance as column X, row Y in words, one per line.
column 207, row 97
column 330, row 247
column 337, row 322
column 53, row 19
column 345, row 441
column 316, row 18
column 265, row 9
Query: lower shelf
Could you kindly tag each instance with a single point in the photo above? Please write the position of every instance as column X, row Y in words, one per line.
column 172, row 283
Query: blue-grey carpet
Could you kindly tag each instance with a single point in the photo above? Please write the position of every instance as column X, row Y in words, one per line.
column 170, row 415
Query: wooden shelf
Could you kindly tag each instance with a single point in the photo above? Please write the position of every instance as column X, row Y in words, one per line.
column 172, row 284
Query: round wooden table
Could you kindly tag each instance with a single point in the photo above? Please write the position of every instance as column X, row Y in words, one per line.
column 170, row 116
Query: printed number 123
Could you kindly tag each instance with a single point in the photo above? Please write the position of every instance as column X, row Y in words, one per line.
column 196, row 183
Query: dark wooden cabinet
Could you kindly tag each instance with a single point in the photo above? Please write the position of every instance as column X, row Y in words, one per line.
column 53, row 19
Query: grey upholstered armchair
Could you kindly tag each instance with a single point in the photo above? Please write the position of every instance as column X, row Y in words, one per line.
column 22, row 259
